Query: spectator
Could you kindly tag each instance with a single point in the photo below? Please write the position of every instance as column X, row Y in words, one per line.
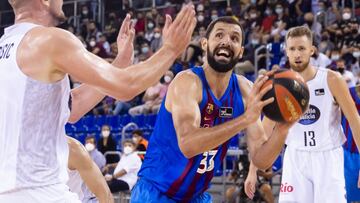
column 313, row 25
column 319, row 59
column 347, row 75
column 96, row 156
column 149, row 34
column 112, row 27
column 157, row 40
column 125, row 174
column 326, row 45
column 140, row 142
column 92, row 31
column 107, row 144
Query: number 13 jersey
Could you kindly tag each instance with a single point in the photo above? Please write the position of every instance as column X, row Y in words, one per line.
column 319, row 129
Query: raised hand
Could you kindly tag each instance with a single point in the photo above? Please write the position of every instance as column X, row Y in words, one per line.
column 254, row 104
column 125, row 41
column 177, row 34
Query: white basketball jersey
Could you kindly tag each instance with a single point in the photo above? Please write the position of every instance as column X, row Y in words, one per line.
column 78, row 186
column 33, row 114
column 320, row 127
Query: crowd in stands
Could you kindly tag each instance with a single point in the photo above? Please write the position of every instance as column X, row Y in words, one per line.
column 335, row 25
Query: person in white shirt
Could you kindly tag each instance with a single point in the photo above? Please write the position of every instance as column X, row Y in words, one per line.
column 125, row 173
column 85, row 177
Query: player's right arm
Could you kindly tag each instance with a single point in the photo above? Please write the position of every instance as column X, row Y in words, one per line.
column 183, row 98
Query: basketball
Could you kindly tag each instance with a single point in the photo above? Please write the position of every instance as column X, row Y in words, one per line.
column 291, row 96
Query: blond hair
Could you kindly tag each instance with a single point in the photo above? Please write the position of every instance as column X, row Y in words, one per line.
column 299, row 32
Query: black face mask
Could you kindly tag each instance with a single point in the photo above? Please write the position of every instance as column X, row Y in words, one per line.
column 354, row 31
column 218, row 66
column 309, row 23
column 324, row 38
column 341, row 70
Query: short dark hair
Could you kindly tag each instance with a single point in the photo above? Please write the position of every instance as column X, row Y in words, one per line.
column 227, row 20
column 299, row 32
column 90, row 137
column 138, row 132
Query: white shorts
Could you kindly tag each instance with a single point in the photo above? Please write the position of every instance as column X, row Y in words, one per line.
column 313, row 177
column 58, row 193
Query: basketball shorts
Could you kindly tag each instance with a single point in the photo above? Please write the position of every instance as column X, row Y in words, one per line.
column 313, row 177
column 58, row 193
column 144, row 191
column 352, row 170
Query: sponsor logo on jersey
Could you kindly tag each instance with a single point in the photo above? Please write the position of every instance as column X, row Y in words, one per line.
column 310, row 116
column 286, row 188
column 210, row 108
column 319, row 92
column 226, row 112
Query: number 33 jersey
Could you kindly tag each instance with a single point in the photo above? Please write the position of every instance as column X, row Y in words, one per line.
column 319, row 128
column 167, row 168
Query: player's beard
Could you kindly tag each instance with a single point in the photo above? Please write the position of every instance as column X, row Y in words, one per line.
column 299, row 68
column 220, row 66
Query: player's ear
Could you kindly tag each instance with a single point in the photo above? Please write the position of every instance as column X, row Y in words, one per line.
column 204, row 44
column 313, row 50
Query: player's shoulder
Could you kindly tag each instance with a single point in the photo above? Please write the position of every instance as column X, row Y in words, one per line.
column 185, row 78
column 75, row 147
column 333, row 76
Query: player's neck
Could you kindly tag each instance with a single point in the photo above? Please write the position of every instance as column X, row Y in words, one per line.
column 218, row 82
column 37, row 17
column 309, row 73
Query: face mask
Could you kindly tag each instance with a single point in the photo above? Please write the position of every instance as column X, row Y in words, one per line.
column 346, row 16
column 254, row 42
column 268, row 12
column 167, row 79
column 335, row 57
column 354, row 31
column 309, row 23
column 134, row 139
column 85, row 12
column 145, row 50
column 356, row 54
column 136, row 52
column 89, row 147
column 92, row 43
column 341, row 70
column 279, row 11
column 157, row 35
column 253, row 15
column 200, row 7
column 229, row 13
column 214, row 17
column 150, row 25
column 324, row 38
column 128, row 150
column 200, row 18
column 105, row 133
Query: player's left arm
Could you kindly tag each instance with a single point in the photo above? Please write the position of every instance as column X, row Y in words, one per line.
column 340, row 91
column 86, row 97
column 80, row 160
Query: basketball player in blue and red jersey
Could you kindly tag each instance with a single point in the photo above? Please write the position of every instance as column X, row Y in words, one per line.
column 351, row 155
column 204, row 108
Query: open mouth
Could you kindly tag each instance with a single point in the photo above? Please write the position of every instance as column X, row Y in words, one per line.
column 224, row 52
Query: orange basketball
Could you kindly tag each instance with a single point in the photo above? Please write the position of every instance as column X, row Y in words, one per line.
column 291, row 96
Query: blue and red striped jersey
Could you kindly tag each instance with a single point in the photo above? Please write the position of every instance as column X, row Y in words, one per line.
column 350, row 142
column 167, row 168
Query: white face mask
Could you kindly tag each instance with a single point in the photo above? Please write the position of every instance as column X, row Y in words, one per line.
column 167, row 79
column 92, row 43
column 145, row 50
column 128, row 150
column 346, row 16
column 157, row 35
column 214, row 17
column 253, row 15
column 89, row 147
column 356, row 54
column 200, row 7
column 335, row 57
column 150, row 25
column 255, row 41
column 279, row 11
column 200, row 18
column 105, row 133
column 268, row 12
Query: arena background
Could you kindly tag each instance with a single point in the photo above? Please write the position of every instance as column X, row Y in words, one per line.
column 265, row 22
